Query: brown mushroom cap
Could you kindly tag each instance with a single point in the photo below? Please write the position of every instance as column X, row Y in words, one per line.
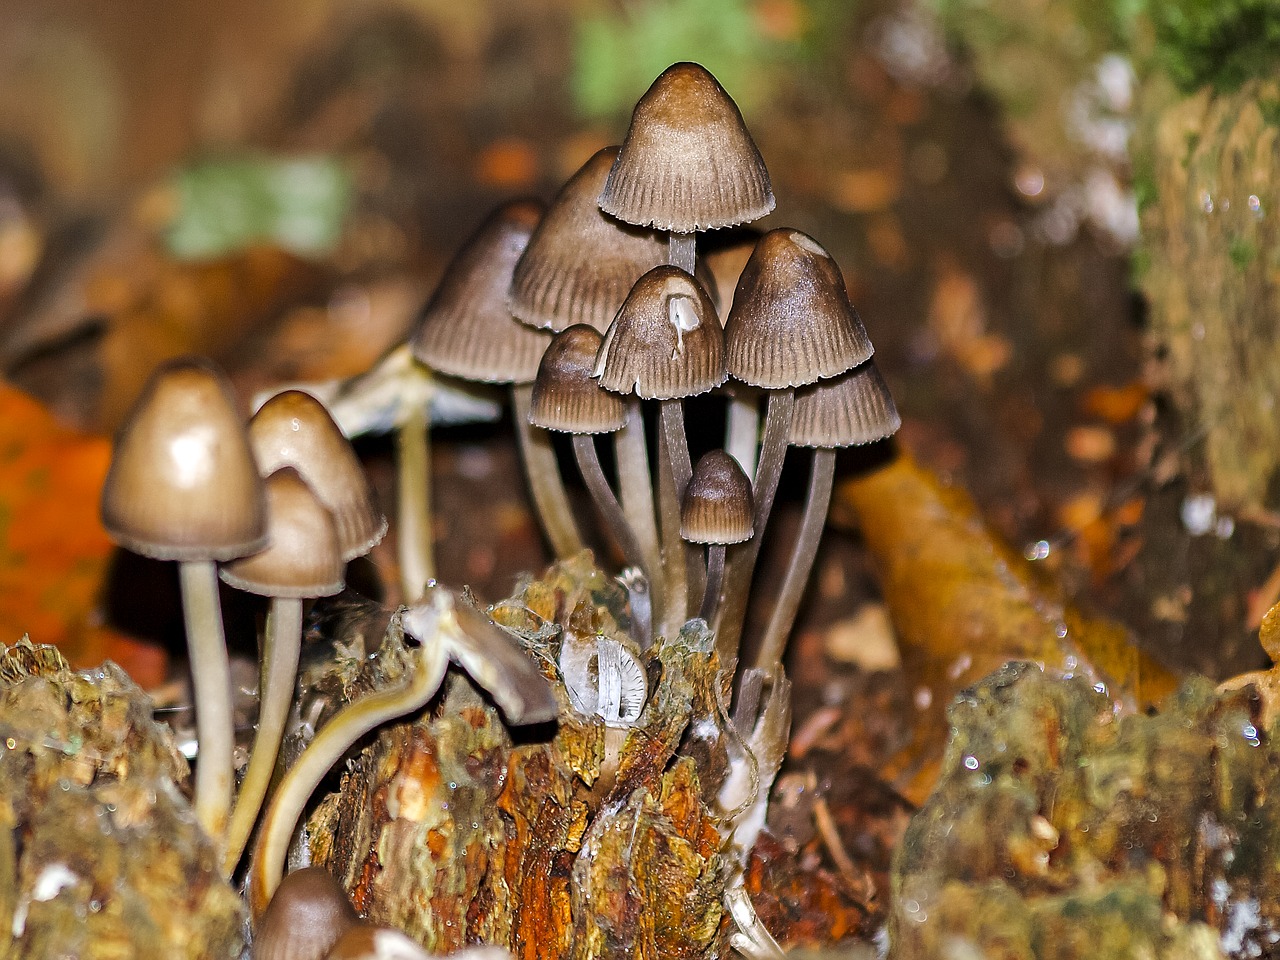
column 566, row 396
column 302, row 558
column 183, row 484
column 467, row 329
column 666, row 341
column 308, row 914
column 293, row 429
column 688, row 162
column 846, row 411
column 580, row 262
column 718, row 506
column 792, row 322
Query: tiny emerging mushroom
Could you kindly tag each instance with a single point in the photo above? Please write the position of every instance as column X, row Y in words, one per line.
column 308, row 914
column 718, row 509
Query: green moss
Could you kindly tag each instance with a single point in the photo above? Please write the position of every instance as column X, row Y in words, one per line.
column 1210, row 42
column 1242, row 252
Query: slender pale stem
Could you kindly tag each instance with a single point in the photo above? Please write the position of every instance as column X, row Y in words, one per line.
column 682, row 251
column 584, row 451
column 742, row 429
column 715, row 582
column 674, row 568
column 546, row 486
column 777, row 424
column 802, row 557
column 280, row 648
column 414, row 540
column 671, row 413
column 334, row 739
column 635, row 489
column 211, row 685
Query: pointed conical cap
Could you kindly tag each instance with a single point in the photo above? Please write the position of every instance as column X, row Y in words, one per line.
column 665, row 342
column 846, row 411
column 792, row 322
column 580, row 262
column 183, row 484
column 688, row 162
column 718, row 506
column 293, row 429
column 467, row 329
column 302, row 558
column 566, row 396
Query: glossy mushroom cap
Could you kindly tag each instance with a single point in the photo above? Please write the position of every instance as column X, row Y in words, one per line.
column 183, row 484
column 308, row 914
column 688, row 162
column 467, row 329
column 792, row 322
column 846, row 411
column 666, row 341
column 302, row 558
column 718, row 506
column 293, row 429
column 581, row 263
column 566, row 396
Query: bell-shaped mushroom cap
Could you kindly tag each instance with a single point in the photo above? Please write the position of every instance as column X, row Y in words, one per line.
column 718, row 506
column 846, row 411
column 306, row 917
column 293, row 429
column 302, row 558
column 688, row 162
column 666, row 341
column 792, row 322
column 580, row 262
column 566, row 396
column 466, row 329
column 183, row 484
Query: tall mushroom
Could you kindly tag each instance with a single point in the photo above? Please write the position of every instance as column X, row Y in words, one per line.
column 183, row 486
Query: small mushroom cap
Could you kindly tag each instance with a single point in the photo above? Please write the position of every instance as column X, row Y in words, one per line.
column 293, row 429
column 306, row 917
column 467, row 329
column 302, row 558
column 792, row 322
column 718, row 506
column 580, row 262
column 666, row 341
column 367, row 942
column 846, row 411
column 183, row 484
column 688, row 162
column 566, row 396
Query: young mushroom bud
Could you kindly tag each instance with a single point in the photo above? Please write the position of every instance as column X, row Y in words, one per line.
column 307, row 916
column 718, row 509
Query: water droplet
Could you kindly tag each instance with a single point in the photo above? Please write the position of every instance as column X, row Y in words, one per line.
column 1255, row 207
column 453, row 785
column 1038, row 550
column 1206, row 201
column 971, row 763
column 11, row 743
column 1061, row 630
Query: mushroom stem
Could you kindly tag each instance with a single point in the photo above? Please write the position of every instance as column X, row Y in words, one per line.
column 674, row 569
column 211, row 684
column 806, row 549
column 715, row 582
column 333, row 740
column 635, row 488
column 584, row 450
column 543, row 474
column 671, row 413
column 733, row 610
column 682, row 251
column 281, row 645
column 416, row 551
column 742, row 431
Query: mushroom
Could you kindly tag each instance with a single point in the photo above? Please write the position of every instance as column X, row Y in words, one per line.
column 308, row 914
column 302, row 560
column 717, row 510
column 183, row 486
column 467, row 331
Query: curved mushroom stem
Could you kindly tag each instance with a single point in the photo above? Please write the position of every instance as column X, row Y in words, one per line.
column 715, row 582
column 280, row 648
column 635, row 491
column 415, row 547
column 333, row 740
column 777, row 423
column 543, row 474
column 584, row 450
column 802, row 557
column 211, row 685
column 682, row 251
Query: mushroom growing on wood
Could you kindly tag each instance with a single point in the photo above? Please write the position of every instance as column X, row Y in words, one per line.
column 308, row 914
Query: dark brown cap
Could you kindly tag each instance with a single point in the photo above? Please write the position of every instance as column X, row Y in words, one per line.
column 466, row 329
column 183, row 484
column 308, row 914
column 718, row 506
column 302, row 558
column 580, row 262
column 688, row 162
column 846, row 411
column 566, row 396
column 792, row 322
column 293, row 429
column 665, row 342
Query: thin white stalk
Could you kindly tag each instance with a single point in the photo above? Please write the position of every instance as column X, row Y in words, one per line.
column 674, row 568
column 415, row 542
column 635, row 491
column 715, row 582
column 584, row 450
column 542, row 472
column 742, row 427
column 682, row 251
